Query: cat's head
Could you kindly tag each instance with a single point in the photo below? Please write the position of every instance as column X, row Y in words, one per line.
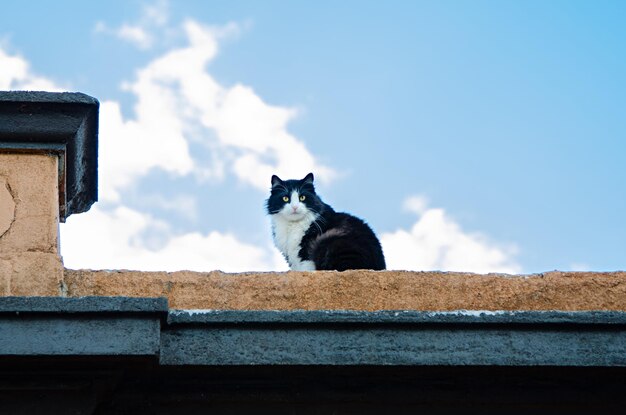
column 293, row 200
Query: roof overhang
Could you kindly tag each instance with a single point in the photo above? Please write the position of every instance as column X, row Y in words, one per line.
column 65, row 124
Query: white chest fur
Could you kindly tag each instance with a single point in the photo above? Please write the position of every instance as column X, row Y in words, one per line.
column 288, row 237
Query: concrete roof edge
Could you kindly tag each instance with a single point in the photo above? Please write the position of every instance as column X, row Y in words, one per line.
column 48, row 97
column 92, row 304
column 123, row 326
column 393, row 317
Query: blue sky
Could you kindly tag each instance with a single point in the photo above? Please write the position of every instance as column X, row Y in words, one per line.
column 484, row 135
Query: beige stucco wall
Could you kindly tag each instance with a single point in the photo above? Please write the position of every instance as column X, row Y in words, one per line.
column 29, row 221
column 359, row 290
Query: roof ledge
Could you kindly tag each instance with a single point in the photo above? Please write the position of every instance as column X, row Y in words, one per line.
column 63, row 123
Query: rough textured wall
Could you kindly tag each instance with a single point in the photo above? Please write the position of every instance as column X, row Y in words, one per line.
column 29, row 222
column 360, row 290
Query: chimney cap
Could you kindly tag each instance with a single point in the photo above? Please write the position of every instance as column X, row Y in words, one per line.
column 63, row 123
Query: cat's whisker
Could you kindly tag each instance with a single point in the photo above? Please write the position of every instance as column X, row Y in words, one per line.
column 319, row 228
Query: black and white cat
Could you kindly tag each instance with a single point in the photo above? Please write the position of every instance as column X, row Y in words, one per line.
column 312, row 236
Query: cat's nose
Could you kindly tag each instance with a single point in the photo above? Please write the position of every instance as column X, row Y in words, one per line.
column 295, row 208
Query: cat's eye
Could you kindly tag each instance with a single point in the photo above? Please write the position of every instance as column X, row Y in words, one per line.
column 285, row 199
column 302, row 198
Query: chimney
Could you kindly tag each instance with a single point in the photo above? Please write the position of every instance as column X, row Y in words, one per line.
column 48, row 171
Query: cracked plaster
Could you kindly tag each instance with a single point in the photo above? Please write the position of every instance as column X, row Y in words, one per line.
column 7, row 206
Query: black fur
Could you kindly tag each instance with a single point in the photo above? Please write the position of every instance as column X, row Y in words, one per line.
column 335, row 241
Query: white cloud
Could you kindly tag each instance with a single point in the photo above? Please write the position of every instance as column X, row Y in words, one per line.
column 135, row 35
column 185, row 205
column 265, row 146
column 129, row 149
column 179, row 102
column 417, row 204
column 142, row 33
column 437, row 242
column 156, row 13
column 116, row 242
column 15, row 74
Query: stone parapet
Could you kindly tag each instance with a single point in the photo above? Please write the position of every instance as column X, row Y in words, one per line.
column 360, row 290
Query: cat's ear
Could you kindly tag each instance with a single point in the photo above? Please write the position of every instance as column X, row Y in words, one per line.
column 276, row 181
column 308, row 179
